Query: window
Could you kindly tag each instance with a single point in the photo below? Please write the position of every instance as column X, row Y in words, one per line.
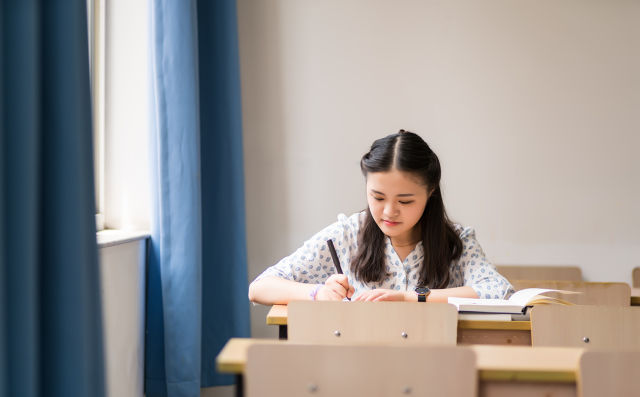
column 95, row 28
column 119, row 59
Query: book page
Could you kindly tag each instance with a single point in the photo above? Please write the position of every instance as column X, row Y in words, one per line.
column 524, row 296
column 479, row 302
column 484, row 316
column 485, row 305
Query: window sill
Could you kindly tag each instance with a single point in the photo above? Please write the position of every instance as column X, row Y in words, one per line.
column 111, row 237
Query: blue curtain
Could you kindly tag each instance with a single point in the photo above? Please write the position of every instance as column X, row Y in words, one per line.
column 51, row 333
column 197, row 282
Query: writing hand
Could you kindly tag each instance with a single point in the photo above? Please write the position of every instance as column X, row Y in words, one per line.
column 336, row 288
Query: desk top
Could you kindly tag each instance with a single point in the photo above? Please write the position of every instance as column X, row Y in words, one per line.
column 502, row 363
column 279, row 313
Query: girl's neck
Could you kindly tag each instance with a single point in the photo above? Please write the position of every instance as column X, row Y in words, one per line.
column 396, row 243
column 410, row 240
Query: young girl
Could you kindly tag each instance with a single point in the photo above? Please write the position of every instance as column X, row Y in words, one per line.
column 403, row 247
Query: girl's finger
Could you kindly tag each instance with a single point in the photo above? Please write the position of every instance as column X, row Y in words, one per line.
column 381, row 297
column 343, row 281
column 362, row 296
column 371, row 297
column 339, row 290
column 335, row 296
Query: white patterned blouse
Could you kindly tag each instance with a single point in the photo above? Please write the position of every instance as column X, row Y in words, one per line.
column 312, row 263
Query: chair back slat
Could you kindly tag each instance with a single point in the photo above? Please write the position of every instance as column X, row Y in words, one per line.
column 592, row 293
column 372, row 322
column 586, row 326
column 531, row 272
column 609, row 373
column 360, row 370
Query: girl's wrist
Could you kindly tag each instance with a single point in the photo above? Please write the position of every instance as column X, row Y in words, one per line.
column 410, row 296
column 314, row 291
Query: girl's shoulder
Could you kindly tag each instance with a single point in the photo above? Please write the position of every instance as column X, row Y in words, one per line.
column 353, row 222
column 465, row 233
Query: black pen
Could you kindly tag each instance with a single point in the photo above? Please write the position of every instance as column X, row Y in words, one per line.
column 336, row 261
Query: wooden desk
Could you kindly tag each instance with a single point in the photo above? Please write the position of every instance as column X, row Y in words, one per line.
column 503, row 370
column 469, row 332
column 635, row 296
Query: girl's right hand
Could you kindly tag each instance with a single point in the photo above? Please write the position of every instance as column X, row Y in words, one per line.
column 336, row 288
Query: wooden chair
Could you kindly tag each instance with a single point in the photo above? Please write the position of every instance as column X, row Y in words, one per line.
column 515, row 272
column 592, row 293
column 360, row 370
column 636, row 277
column 609, row 373
column 585, row 326
column 372, row 322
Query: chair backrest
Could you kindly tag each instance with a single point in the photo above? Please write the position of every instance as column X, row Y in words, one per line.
column 592, row 293
column 372, row 322
column 516, row 272
column 360, row 370
column 586, row 326
column 635, row 274
column 609, row 373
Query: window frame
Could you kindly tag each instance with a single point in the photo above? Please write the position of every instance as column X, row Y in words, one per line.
column 96, row 30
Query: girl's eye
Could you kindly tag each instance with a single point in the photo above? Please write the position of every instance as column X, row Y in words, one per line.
column 406, row 202
column 378, row 199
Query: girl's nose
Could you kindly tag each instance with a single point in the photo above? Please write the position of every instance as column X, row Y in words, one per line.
column 390, row 210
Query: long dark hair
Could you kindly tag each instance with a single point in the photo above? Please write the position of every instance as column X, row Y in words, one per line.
column 407, row 152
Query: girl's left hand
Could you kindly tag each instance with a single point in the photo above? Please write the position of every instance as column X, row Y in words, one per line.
column 380, row 294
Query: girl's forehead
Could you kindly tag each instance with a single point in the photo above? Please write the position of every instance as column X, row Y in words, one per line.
column 394, row 181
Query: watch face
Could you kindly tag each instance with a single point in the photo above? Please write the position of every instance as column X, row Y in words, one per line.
column 422, row 290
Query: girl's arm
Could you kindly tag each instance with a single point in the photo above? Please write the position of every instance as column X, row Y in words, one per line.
column 295, row 276
column 436, row 295
column 478, row 273
column 278, row 291
column 441, row 295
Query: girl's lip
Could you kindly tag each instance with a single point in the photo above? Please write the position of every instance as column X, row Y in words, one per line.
column 390, row 223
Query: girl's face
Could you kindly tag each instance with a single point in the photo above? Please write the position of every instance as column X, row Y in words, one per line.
column 396, row 201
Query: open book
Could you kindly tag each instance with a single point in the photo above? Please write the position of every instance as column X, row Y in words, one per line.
column 516, row 304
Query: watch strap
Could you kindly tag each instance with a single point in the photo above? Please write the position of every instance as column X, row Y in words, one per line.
column 422, row 294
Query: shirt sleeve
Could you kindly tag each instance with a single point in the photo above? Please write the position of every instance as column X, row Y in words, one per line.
column 477, row 272
column 312, row 263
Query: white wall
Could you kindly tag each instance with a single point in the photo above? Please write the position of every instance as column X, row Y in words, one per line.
column 531, row 106
column 122, row 274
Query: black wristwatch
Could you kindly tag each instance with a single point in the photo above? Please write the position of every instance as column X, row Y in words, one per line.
column 422, row 292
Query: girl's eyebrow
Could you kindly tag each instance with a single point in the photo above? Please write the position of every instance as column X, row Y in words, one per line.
column 399, row 195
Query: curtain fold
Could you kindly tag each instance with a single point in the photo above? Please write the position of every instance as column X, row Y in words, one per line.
column 50, row 307
column 196, row 294
column 225, row 312
column 175, row 260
